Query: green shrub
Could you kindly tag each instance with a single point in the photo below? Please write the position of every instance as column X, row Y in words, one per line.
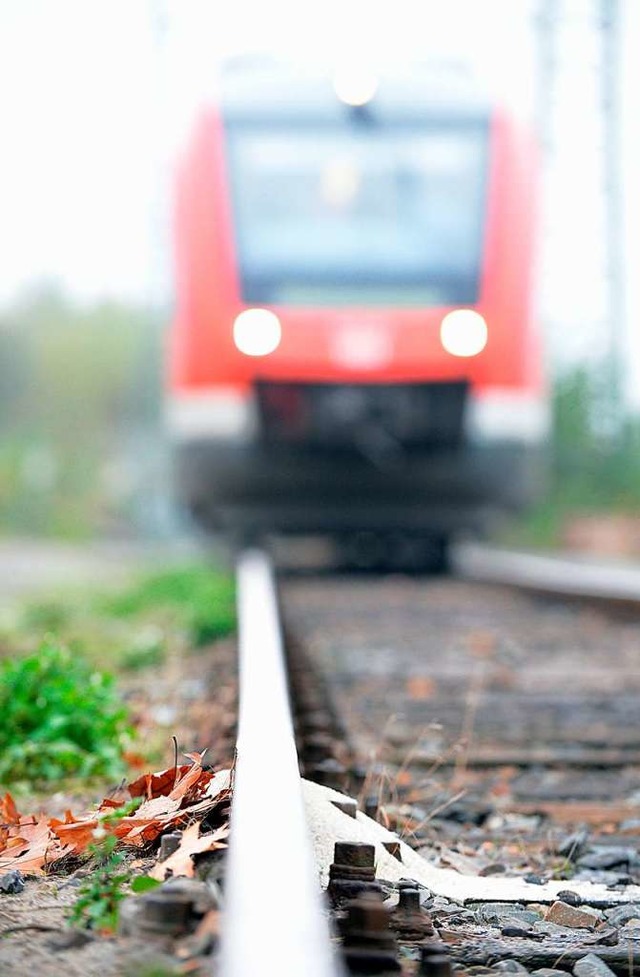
column 199, row 599
column 59, row 717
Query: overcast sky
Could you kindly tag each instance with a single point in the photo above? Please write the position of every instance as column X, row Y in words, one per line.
column 97, row 94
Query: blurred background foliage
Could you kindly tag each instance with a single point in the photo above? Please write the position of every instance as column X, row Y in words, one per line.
column 81, row 443
column 83, row 452
column 592, row 467
column 592, row 496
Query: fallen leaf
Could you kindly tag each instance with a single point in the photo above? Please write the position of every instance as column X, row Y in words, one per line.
column 420, row 687
column 111, row 804
column 482, row 644
column 156, row 784
column 196, row 757
column 35, row 844
column 28, row 855
column 134, row 759
column 28, row 828
column 181, row 861
column 195, row 775
column 155, row 808
column 8, row 810
column 403, row 778
column 78, row 835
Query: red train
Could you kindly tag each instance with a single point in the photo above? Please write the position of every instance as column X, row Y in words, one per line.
column 354, row 348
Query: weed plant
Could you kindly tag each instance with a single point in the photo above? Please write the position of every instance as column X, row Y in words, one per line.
column 59, row 717
column 101, row 892
column 100, row 895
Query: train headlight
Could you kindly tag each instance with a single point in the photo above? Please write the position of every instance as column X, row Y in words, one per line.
column 355, row 87
column 463, row 332
column 257, row 332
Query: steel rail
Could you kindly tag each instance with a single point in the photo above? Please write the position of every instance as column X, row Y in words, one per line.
column 273, row 920
column 561, row 575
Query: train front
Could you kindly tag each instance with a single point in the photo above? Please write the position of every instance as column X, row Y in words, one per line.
column 354, row 349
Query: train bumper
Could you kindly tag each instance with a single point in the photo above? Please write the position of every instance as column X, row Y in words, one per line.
column 254, row 488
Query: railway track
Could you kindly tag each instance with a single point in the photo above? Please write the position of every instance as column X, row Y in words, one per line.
column 496, row 731
column 296, row 941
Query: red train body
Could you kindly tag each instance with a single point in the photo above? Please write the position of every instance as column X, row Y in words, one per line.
column 353, row 401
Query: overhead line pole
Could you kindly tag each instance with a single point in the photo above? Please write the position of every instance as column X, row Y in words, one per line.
column 610, row 42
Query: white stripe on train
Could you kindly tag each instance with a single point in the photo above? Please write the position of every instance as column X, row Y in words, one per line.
column 497, row 414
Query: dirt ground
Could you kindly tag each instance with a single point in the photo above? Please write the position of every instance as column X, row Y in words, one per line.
column 191, row 697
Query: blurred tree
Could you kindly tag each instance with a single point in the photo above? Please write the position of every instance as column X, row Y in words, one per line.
column 13, row 373
column 79, row 393
column 592, row 467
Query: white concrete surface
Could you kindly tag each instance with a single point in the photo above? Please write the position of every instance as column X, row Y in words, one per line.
column 327, row 824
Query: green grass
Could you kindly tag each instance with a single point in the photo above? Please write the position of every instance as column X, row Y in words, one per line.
column 544, row 525
column 197, row 600
column 135, row 628
column 59, row 717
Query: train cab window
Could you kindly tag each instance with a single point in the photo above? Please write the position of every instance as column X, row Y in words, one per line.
column 342, row 215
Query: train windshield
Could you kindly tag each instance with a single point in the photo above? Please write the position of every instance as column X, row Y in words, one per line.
column 359, row 215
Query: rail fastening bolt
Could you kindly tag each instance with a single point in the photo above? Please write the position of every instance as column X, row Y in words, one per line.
column 329, row 773
column 355, row 855
column 169, row 843
column 317, row 747
column 408, row 919
column 352, row 871
column 434, row 964
column 315, row 722
column 409, row 900
column 161, row 912
column 369, row 946
column 371, row 807
column 358, row 774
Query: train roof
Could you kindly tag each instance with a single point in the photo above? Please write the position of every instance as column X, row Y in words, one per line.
column 281, row 93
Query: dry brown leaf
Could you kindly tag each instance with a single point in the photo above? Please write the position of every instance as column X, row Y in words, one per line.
column 181, row 861
column 140, row 832
column 420, row 687
column 112, row 804
column 157, row 807
column 8, row 810
column 17, row 841
column 156, row 784
column 34, row 844
column 78, row 835
column 29, row 855
column 195, row 776
column 403, row 778
column 28, row 828
column 196, row 756
column 482, row 644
